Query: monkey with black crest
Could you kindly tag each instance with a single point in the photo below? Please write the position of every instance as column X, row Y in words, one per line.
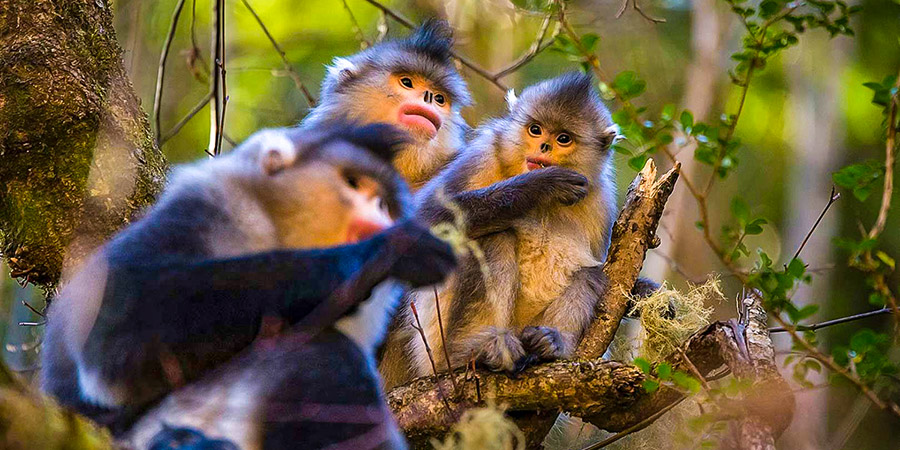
column 293, row 225
column 543, row 254
column 411, row 83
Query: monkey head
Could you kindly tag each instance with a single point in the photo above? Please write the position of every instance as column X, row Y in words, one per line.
column 411, row 83
column 326, row 188
column 558, row 122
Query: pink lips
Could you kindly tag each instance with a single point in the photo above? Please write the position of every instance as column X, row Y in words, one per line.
column 537, row 162
column 419, row 116
column 362, row 229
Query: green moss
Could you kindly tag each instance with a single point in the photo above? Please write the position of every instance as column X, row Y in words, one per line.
column 62, row 69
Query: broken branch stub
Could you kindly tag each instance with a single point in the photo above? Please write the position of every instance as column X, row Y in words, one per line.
column 632, row 234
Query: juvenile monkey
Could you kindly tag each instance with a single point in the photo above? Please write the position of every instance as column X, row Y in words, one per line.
column 233, row 240
column 411, row 83
column 538, row 194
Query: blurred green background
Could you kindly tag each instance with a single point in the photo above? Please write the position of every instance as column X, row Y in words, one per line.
column 807, row 115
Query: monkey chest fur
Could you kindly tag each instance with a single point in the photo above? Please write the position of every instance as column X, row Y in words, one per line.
column 548, row 252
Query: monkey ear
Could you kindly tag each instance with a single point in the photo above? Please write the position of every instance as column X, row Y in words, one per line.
column 342, row 70
column 610, row 136
column 511, row 99
column 277, row 152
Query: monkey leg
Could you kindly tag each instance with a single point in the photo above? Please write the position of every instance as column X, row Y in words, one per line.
column 565, row 319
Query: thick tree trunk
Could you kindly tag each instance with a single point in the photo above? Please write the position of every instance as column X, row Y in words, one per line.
column 76, row 155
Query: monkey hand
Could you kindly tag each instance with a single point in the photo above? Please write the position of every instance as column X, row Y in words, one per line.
column 546, row 343
column 417, row 256
column 496, row 349
column 559, row 185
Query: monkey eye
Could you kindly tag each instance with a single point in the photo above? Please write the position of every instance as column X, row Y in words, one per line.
column 406, row 82
column 352, row 180
column 564, row 139
column 535, row 130
column 439, row 99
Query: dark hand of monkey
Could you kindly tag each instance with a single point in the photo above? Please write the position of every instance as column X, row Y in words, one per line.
column 557, row 184
column 418, row 257
column 544, row 342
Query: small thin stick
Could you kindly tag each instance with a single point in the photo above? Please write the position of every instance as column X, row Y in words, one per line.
column 462, row 59
column 694, row 369
column 187, row 118
column 833, row 198
column 634, row 428
column 28, row 305
column 437, row 383
column 364, row 43
column 536, row 47
column 437, row 305
column 890, row 144
column 161, row 69
column 840, row 320
column 310, row 100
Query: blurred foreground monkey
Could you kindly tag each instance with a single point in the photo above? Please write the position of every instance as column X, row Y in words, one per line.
column 411, row 83
column 537, row 191
column 249, row 235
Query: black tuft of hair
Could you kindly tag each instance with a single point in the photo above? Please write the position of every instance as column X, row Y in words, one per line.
column 574, row 87
column 433, row 38
column 381, row 139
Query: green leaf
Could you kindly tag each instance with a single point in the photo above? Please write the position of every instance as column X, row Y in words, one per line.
column 642, row 364
column 755, row 227
column 628, row 85
column 885, row 258
column 650, row 386
column 664, row 371
column 796, row 268
column 860, row 178
column 668, row 112
column 637, row 163
column 589, row 41
column 686, row 381
column 740, row 210
column 687, row 121
column 807, row 311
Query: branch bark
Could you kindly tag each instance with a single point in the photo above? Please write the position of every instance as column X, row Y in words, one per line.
column 608, row 394
column 633, row 234
column 77, row 158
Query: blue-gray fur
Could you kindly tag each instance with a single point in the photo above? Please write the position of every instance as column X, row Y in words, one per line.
column 174, row 296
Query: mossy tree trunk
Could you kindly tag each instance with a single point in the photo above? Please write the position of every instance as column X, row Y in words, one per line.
column 77, row 158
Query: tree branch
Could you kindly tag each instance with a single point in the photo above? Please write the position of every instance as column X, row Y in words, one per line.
column 161, row 70
column 633, row 233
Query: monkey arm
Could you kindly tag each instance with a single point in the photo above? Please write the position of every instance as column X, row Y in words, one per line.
column 494, row 208
column 164, row 323
column 568, row 316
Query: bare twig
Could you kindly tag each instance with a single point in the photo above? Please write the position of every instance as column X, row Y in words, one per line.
column 161, row 70
column 889, row 148
column 363, row 42
column 33, row 309
column 437, row 306
column 310, row 100
column 383, row 27
column 833, row 198
column 835, row 367
column 634, row 4
column 418, row 327
column 837, row 321
column 195, row 49
column 218, row 97
column 536, row 47
column 462, row 59
column 187, row 118
column 636, row 427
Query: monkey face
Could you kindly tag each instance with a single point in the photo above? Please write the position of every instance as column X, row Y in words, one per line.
column 327, row 204
column 332, row 192
column 418, row 107
column 545, row 146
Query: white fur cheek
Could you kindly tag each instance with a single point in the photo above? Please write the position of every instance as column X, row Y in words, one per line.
column 367, row 326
